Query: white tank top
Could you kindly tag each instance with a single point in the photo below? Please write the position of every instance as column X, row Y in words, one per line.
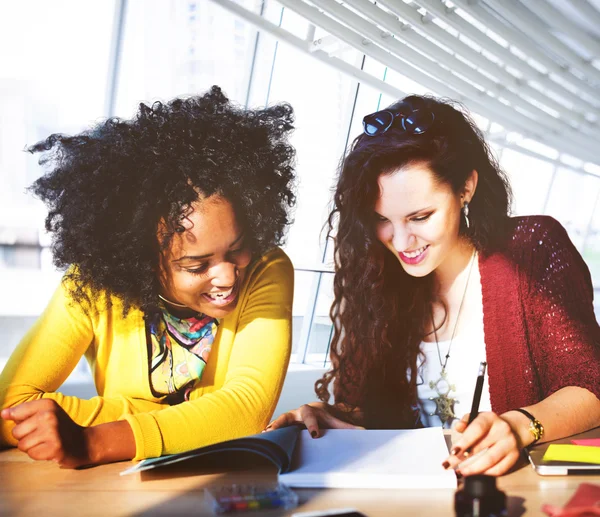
column 468, row 350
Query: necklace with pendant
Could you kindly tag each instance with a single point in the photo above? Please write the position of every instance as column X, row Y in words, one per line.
column 444, row 402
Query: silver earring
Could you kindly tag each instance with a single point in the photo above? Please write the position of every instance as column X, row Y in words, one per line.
column 465, row 211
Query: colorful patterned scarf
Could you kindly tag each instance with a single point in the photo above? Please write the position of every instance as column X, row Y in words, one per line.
column 179, row 351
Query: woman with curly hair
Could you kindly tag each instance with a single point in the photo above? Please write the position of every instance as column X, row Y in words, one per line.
column 433, row 277
column 175, row 290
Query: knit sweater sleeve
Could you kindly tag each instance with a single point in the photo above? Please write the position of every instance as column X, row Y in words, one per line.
column 563, row 333
column 46, row 356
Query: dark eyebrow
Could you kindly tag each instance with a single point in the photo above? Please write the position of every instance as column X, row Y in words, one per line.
column 408, row 215
column 200, row 257
column 419, row 211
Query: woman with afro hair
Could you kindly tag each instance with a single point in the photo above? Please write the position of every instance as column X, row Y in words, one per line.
column 175, row 290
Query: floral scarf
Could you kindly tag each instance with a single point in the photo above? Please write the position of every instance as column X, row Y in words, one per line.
column 179, row 351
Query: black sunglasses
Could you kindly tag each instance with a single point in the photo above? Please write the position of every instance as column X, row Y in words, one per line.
column 415, row 121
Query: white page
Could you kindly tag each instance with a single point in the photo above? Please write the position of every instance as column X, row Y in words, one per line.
column 348, row 458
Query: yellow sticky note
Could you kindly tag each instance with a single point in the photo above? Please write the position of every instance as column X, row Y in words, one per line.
column 575, row 453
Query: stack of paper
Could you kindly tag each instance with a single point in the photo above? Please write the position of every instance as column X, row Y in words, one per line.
column 344, row 458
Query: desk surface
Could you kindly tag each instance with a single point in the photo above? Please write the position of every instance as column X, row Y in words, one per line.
column 41, row 488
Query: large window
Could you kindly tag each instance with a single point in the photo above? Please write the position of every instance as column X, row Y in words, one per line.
column 53, row 74
column 183, row 47
column 55, row 78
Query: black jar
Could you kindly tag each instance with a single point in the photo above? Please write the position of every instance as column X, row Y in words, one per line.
column 479, row 497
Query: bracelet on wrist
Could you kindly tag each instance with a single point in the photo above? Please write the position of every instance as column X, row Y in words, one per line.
column 535, row 426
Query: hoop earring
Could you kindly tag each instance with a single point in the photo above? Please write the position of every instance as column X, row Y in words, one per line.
column 172, row 303
column 465, row 211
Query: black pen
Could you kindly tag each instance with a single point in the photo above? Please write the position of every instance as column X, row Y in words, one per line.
column 472, row 416
column 477, row 394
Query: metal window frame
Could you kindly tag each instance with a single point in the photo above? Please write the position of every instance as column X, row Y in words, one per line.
column 438, row 55
column 549, row 14
column 505, row 78
column 476, row 9
column 540, row 88
column 116, row 50
column 544, row 82
column 452, row 86
column 528, row 22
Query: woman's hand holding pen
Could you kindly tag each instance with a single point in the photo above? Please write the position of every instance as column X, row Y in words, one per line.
column 315, row 416
column 488, row 445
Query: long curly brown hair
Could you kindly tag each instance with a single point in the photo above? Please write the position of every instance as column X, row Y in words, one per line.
column 380, row 313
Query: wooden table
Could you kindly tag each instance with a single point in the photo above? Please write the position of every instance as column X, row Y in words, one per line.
column 44, row 489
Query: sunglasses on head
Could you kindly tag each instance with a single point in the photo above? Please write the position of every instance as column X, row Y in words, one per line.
column 413, row 120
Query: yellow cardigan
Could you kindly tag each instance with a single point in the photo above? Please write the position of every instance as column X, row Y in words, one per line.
column 236, row 396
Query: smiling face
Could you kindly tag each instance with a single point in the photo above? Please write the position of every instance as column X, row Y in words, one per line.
column 205, row 265
column 419, row 217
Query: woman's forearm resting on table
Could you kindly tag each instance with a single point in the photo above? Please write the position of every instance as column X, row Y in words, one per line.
column 109, row 442
column 568, row 411
column 44, row 431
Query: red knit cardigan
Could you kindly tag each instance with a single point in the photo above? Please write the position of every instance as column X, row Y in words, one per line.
column 541, row 333
column 540, row 329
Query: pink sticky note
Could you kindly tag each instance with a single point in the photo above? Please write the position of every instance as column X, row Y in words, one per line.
column 590, row 442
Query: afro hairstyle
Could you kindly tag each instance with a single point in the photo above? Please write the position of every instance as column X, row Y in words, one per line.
column 109, row 188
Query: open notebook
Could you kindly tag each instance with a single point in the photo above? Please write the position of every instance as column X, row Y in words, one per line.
column 341, row 458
